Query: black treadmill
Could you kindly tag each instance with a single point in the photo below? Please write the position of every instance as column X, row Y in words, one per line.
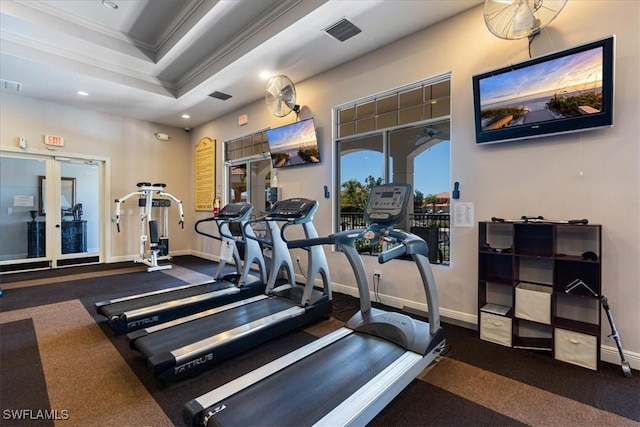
column 348, row 376
column 186, row 346
column 136, row 311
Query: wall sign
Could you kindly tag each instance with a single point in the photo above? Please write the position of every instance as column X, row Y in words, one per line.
column 53, row 140
column 205, row 174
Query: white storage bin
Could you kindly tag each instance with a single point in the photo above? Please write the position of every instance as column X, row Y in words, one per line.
column 533, row 302
column 496, row 329
column 577, row 348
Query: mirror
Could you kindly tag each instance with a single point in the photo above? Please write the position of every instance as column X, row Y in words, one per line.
column 67, row 194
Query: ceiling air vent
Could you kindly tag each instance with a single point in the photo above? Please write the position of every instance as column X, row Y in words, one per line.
column 10, row 86
column 342, row 30
column 220, row 95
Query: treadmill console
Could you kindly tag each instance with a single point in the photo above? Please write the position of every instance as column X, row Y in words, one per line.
column 293, row 209
column 235, row 211
column 388, row 203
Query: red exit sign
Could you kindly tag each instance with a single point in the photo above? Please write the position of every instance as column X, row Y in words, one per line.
column 54, row 140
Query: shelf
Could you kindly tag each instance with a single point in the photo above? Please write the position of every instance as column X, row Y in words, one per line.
column 500, row 310
column 522, row 297
column 574, row 258
column 499, row 280
column 577, row 326
column 545, row 344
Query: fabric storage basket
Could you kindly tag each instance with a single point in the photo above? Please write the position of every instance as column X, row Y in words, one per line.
column 496, row 329
column 577, row 348
column 533, row 302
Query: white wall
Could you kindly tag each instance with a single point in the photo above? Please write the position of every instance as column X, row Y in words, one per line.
column 135, row 156
column 540, row 177
column 590, row 175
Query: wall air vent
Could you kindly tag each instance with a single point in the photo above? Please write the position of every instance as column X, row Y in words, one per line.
column 342, row 30
column 220, row 95
column 10, row 86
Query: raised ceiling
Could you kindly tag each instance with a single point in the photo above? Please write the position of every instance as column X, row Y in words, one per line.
column 155, row 60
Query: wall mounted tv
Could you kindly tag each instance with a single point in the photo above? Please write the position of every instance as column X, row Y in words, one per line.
column 566, row 91
column 294, row 144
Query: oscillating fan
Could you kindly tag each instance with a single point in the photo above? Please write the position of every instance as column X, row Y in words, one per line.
column 280, row 96
column 517, row 19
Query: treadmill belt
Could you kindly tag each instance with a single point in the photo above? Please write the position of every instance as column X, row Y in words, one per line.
column 167, row 340
column 306, row 391
column 118, row 308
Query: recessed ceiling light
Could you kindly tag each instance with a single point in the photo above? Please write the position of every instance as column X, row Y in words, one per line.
column 264, row 75
column 186, row 116
column 82, row 93
column 110, row 4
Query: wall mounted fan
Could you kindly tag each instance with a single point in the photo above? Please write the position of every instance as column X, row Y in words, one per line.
column 280, row 96
column 517, row 19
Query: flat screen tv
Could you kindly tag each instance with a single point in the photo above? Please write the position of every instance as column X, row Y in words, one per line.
column 294, row 144
column 566, row 91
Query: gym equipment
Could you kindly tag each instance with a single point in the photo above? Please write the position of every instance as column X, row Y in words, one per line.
column 541, row 220
column 350, row 375
column 186, row 346
column 133, row 312
column 626, row 368
column 158, row 245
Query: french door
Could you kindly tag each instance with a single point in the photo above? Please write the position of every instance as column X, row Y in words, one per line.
column 50, row 211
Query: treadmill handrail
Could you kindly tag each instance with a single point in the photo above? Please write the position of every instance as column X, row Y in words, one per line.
column 303, row 243
column 409, row 244
column 204, row 233
column 253, row 236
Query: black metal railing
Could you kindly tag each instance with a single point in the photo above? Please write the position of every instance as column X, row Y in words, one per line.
column 433, row 228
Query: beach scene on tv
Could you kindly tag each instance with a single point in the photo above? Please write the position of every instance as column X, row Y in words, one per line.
column 294, row 144
column 564, row 87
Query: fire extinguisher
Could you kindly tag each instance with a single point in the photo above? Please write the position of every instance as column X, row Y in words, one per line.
column 216, row 206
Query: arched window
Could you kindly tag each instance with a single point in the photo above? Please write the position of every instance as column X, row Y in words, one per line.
column 398, row 136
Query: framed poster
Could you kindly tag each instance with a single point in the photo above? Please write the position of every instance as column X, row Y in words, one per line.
column 205, row 174
column 67, row 194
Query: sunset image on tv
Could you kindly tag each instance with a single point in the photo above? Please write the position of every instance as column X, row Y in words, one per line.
column 565, row 87
column 293, row 144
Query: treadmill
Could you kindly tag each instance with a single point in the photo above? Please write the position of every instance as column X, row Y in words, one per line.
column 136, row 311
column 185, row 347
column 350, row 375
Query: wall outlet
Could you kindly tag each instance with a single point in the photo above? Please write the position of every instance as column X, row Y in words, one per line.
column 377, row 273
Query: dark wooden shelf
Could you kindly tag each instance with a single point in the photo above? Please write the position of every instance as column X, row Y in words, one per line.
column 529, row 343
column 543, row 254
column 576, row 326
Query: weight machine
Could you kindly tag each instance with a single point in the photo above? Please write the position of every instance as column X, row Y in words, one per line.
column 154, row 247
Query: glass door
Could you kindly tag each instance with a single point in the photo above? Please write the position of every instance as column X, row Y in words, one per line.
column 79, row 222
column 50, row 211
column 21, row 225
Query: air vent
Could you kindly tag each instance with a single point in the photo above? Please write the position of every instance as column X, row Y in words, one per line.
column 342, row 30
column 10, row 86
column 220, row 95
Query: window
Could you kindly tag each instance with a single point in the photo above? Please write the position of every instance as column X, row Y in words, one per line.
column 248, row 170
column 400, row 136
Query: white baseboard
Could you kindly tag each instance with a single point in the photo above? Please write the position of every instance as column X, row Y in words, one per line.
column 611, row 355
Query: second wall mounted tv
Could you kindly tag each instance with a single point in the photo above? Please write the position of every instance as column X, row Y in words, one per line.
column 294, row 144
column 566, row 91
